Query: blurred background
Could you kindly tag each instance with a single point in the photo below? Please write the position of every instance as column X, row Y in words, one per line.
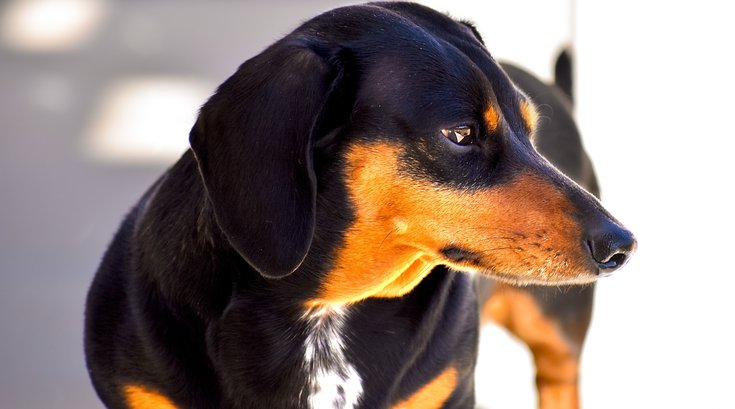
column 97, row 97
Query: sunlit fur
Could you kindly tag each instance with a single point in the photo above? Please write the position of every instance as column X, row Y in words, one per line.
column 530, row 115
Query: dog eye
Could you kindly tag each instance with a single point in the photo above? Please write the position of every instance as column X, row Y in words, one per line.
column 461, row 135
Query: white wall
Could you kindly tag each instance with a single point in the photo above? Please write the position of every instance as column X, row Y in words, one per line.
column 655, row 84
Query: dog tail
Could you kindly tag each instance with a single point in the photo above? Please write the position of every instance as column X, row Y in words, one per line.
column 564, row 73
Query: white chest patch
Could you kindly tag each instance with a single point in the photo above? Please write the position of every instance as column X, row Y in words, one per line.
column 333, row 383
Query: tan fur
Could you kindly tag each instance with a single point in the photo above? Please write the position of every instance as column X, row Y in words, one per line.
column 492, row 118
column 530, row 115
column 433, row 394
column 140, row 397
column 522, row 229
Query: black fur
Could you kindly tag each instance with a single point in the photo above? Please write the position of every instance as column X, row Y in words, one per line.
column 200, row 295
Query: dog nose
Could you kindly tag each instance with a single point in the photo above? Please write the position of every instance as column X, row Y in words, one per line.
column 611, row 246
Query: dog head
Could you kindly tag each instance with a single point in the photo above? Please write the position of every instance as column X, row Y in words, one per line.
column 390, row 129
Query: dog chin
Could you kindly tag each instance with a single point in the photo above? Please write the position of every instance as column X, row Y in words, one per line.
column 548, row 279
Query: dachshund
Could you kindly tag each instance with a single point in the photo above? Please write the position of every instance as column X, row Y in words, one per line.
column 330, row 240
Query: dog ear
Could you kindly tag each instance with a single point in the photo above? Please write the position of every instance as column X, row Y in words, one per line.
column 253, row 144
column 564, row 73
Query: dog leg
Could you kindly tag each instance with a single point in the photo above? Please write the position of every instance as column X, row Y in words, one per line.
column 553, row 322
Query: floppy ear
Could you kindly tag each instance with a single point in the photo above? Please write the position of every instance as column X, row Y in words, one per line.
column 253, row 145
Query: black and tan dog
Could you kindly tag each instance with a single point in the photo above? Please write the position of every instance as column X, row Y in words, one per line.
column 321, row 245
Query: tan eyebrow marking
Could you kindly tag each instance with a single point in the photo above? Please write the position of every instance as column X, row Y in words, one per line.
column 529, row 114
column 492, row 118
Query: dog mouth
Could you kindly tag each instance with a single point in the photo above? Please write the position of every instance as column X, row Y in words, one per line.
column 525, row 273
column 461, row 255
